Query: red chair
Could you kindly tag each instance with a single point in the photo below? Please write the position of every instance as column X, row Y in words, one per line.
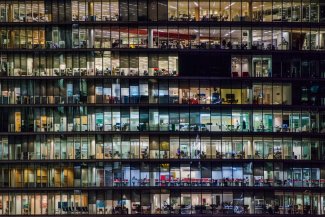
column 235, row 74
column 162, row 180
column 194, row 101
column 245, row 74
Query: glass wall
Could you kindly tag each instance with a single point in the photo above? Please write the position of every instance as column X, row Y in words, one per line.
column 80, row 118
column 105, row 63
column 176, row 10
column 51, row 147
column 240, row 175
column 150, row 91
column 121, row 64
column 143, row 107
column 161, row 37
column 112, row 202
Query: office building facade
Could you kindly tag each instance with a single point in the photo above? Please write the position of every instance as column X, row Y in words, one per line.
column 162, row 107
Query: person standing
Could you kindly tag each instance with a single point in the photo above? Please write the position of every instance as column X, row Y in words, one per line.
column 244, row 125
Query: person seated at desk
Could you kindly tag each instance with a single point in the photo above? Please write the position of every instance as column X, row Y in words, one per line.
column 194, row 100
column 218, row 155
column 236, row 18
column 178, row 153
column 165, row 155
column 145, row 181
column 183, row 154
column 205, row 18
column 216, row 99
column 120, row 210
column 224, row 17
column 172, row 18
column 237, row 125
column 285, row 128
column 117, row 155
column 214, row 17
column 145, row 154
column 257, row 155
column 107, row 71
column 134, row 180
column 115, row 44
column 229, row 45
column 261, row 126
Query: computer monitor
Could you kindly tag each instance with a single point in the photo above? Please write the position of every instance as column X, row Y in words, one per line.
column 230, row 96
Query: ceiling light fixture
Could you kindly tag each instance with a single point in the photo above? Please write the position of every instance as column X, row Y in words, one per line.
column 230, row 5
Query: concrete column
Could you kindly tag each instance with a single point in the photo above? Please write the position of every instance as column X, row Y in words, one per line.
column 150, row 37
column 250, row 11
column 42, row 38
column 90, row 31
column 91, row 38
column 197, row 13
column 90, row 8
column 250, row 38
column 10, row 13
column 11, row 38
column 62, row 63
